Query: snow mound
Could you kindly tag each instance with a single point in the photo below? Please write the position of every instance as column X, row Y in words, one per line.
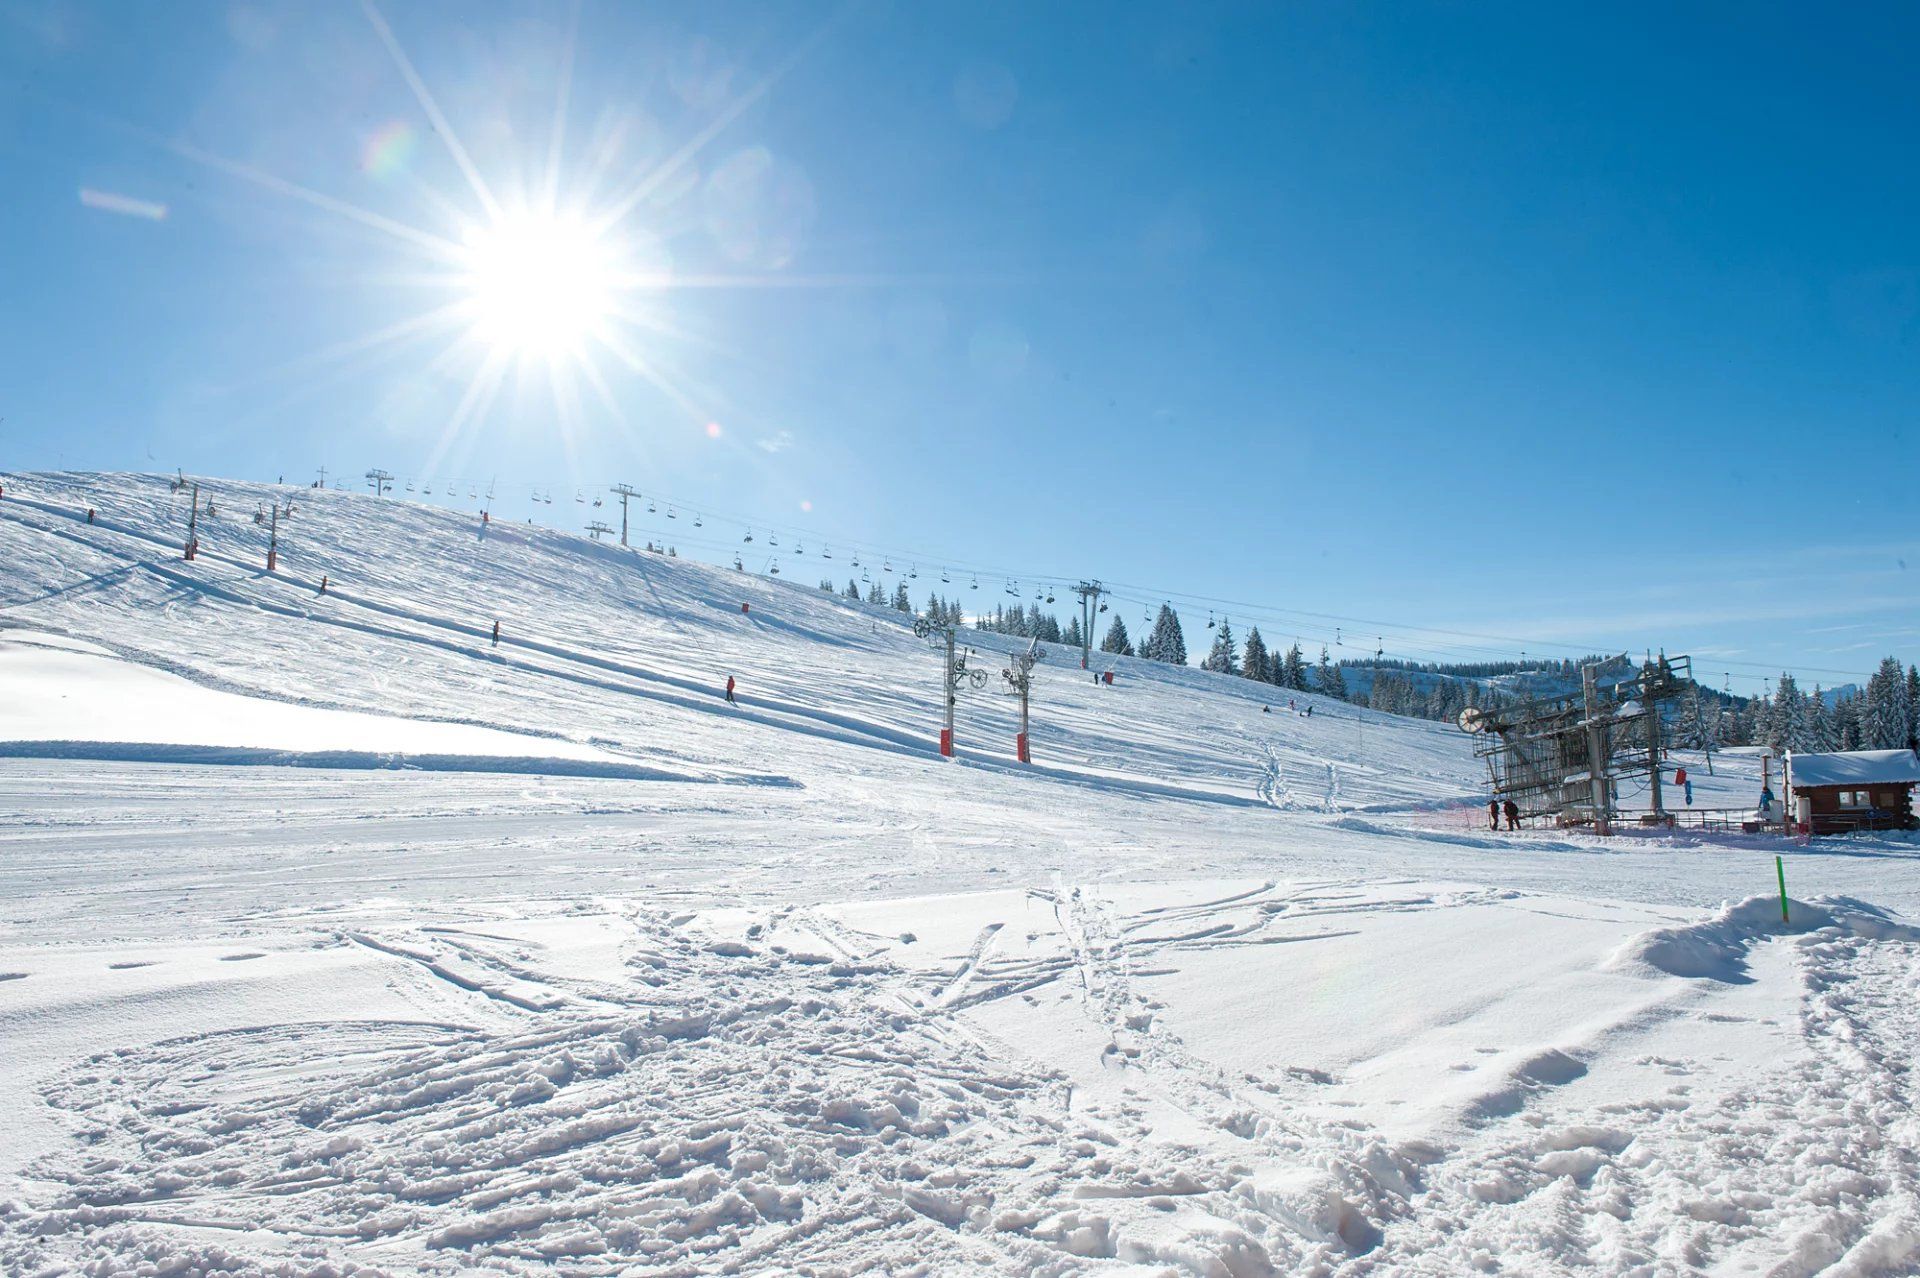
column 1716, row 948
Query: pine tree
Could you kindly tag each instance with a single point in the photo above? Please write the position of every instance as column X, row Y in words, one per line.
column 1820, row 735
column 827, row 585
column 1787, row 722
column 1846, row 723
column 1913, row 703
column 1255, row 664
column 1883, row 716
column 1327, row 677
column 1167, row 643
column 1071, row 636
column 1117, row 641
column 1294, row 668
column 1223, row 656
column 853, row 589
column 900, row 601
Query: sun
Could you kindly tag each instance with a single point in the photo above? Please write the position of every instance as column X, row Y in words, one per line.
column 538, row 285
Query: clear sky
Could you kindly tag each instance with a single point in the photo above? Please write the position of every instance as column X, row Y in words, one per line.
column 1594, row 326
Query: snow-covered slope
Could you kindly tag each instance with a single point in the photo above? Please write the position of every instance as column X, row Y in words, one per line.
column 336, row 939
column 611, row 646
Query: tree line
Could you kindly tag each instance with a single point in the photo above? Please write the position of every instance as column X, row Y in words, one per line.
column 1885, row 715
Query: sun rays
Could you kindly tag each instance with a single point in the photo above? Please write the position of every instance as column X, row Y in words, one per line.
column 551, row 277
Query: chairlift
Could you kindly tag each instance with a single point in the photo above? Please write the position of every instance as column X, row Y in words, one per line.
column 1103, row 607
column 549, row 497
column 826, row 552
column 856, row 559
column 409, row 485
column 1379, row 647
column 596, row 503
column 671, row 514
column 914, row 572
column 864, row 577
column 773, row 539
column 773, row 567
column 1209, row 618
column 426, row 490
column 749, row 536
column 696, row 520
column 944, row 579
column 474, row 492
column 737, row 565
column 651, row 508
column 976, row 584
column 799, row 548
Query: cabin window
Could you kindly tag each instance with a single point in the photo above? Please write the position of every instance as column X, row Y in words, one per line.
column 1855, row 799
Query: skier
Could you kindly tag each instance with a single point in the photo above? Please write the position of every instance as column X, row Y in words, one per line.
column 89, row 514
column 1309, row 711
column 730, row 700
column 1493, row 814
column 1291, row 706
column 323, row 583
column 1513, row 814
column 1266, row 709
column 496, row 633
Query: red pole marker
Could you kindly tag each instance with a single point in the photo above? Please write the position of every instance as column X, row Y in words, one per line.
column 946, row 742
column 1020, row 747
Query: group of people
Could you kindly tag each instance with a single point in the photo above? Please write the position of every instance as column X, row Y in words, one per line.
column 1509, row 809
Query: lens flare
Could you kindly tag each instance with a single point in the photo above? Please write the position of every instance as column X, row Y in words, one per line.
column 389, row 149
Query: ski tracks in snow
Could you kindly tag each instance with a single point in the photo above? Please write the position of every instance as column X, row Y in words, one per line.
column 1814, row 1170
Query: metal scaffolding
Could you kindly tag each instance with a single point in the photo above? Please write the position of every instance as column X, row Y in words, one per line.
column 1565, row 756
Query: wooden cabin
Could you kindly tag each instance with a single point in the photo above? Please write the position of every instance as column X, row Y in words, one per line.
column 1853, row 790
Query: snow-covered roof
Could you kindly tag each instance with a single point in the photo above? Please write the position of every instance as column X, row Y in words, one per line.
column 1856, row 767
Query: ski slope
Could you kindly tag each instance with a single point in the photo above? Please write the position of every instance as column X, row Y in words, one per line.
column 335, row 938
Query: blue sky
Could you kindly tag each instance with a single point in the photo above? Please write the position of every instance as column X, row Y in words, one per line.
column 1566, row 328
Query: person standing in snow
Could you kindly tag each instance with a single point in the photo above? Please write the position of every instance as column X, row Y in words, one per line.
column 1493, row 814
column 496, row 633
column 1513, row 814
column 730, row 700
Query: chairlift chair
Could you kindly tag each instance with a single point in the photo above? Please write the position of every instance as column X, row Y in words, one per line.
column 773, row 567
column 749, row 536
column 799, row 548
column 579, row 497
column 856, row 559
column 914, row 572
column 944, row 580
column 826, row 552
column 773, row 539
column 975, row 585
column 651, row 508
column 409, row 485
column 671, row 514
column 426, row 490
column 1209, row 618
column 696, row 520
column 737, row 565
column 886, row 565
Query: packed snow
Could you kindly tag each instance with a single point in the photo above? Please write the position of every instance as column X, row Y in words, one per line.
column 336, row 939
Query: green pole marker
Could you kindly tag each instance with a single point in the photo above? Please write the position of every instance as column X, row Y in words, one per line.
column 1780, row 869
